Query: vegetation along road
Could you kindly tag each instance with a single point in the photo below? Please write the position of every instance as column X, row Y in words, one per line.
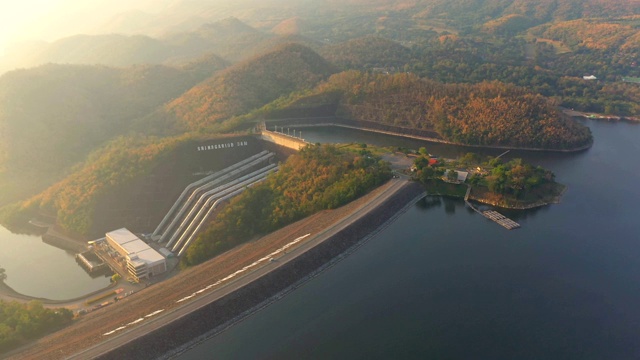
column 157, row 306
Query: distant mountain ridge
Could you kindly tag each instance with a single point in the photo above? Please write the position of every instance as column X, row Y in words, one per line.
column 52, row 116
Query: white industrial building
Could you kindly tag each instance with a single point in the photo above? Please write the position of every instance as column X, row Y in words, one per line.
column 142, row 260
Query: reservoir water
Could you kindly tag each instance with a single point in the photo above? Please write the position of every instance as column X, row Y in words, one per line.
column 444, row 282
column 40, row 270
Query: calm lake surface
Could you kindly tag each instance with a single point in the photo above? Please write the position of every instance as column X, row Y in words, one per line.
column 442, row 282
column 37, row 269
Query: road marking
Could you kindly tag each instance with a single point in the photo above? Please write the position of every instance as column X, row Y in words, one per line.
column 228, row 277
column 186, row 298
column 154, row 313
column 132, row 323
column 238, row 272
column 135, row 322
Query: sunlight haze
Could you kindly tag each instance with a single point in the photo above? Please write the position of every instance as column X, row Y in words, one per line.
column 49, row 20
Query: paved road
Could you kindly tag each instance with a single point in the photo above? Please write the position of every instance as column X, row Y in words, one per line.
column 163, row 318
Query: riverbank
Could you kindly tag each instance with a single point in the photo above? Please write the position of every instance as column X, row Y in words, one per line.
column 8, row 294
column 407, row 133
column 595, row 116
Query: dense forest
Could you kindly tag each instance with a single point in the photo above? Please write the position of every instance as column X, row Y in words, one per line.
column 445, row 60
column 318, row 177
column 249, row 85
column 72, row 201
column 369, row 52
column 20, row 323
column 488, row 113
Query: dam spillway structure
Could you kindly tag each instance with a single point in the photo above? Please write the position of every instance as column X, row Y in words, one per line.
column 180, row 224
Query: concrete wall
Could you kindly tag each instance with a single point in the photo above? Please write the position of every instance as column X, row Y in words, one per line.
column 283, row 140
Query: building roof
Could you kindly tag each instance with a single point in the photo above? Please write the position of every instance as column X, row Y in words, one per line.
column 150, row 256
column 589, row 77
column 133, row 247
column 122, row 236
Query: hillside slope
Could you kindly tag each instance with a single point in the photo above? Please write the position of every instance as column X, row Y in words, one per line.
column 486, row 114
column 249, row 85
column 367, row 52
column 53, row 115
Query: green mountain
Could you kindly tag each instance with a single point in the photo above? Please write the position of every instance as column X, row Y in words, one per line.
column 486, row 114
column 249, row 85
column 366, row 53
column 52, row 116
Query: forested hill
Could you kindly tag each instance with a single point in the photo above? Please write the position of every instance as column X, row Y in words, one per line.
column 52, row 116
column 470, row 13
column 229, row 38
column 489, row 113
column 249, row 85
column 368, row 52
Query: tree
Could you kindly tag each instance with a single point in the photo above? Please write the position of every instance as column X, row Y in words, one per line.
column 421, row 162
column 3, row 275
column 427, row 173
column 475, row 179
column 452, row 175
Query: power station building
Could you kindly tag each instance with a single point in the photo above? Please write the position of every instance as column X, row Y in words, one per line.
column 142, row 260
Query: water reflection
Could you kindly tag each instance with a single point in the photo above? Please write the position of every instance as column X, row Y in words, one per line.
column 35, row 268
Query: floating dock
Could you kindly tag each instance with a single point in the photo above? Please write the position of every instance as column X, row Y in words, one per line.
column 492, row 215
column 501, row 219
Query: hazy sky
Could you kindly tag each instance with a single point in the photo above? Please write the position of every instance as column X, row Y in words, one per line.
column 51, row 19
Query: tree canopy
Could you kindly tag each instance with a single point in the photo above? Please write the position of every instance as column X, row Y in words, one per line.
column 20, row 323
column 318, row 177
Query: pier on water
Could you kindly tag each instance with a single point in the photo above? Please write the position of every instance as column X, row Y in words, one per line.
column 501, row 219
column 492, row 214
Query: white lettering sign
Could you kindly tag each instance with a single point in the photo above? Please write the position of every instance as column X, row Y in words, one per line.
column 223, row 146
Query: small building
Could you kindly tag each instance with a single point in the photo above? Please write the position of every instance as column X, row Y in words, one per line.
column 142, row 260
column 589, row 77
column 462, row 176
column 433, row 161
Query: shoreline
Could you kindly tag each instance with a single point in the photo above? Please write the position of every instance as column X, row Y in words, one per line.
column 239, row 303
column 540, row 203
column 241, row 317
column 334, row 232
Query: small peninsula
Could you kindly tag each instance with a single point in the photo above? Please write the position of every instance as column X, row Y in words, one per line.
column 512, row 185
